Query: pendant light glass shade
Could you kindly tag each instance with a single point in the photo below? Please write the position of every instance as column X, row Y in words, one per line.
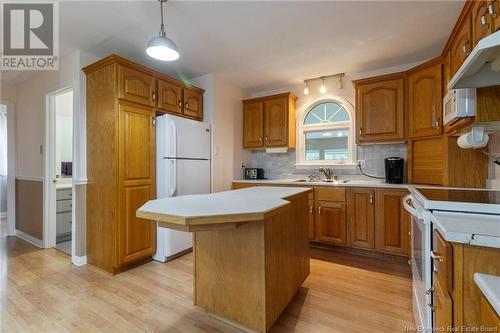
column 161, row 47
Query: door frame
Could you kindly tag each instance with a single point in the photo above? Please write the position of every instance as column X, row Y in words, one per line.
column 49, row 187
column 11, row 167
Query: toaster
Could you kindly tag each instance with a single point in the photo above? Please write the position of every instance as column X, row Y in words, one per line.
column 254, row 173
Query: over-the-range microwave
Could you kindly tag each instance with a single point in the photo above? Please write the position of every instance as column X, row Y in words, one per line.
column 459, row 103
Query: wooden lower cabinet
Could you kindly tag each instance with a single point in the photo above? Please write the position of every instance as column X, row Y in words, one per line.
column 457, row 300
column 361, row 218
column 331, row 222
column 392, row 222
column 371, row 219
column 311, row 220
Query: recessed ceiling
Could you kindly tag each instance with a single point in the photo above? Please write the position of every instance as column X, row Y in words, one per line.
column 258, row 44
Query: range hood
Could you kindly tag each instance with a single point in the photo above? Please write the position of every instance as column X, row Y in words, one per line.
column 482, row 66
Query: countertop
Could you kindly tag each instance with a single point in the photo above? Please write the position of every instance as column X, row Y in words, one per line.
column 349, row 183
column 245, row 205
column 467, row 228
column 490, row 287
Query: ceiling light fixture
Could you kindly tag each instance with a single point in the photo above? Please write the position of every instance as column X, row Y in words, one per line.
column 161, row 47
column 322, row 89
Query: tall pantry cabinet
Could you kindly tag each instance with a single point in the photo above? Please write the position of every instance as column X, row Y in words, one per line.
column 122, row 101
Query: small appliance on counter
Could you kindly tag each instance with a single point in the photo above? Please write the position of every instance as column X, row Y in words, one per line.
column 254, row 173
column 394, row 170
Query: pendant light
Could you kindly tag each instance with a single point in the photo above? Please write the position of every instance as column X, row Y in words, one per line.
column 161, row 47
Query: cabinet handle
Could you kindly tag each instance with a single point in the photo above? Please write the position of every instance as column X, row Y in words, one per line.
column 484, row 22
column 267, row 138
column 409, row 233
column 310, row 209
column 371, row 199
column 319, row 210
column 409, row 262
column 491, row 10
column 260, row 139
column 361, row 131
column 465, row 48
column 436, row 256
column 186, row 105
column 153, row 96
column 180, row 103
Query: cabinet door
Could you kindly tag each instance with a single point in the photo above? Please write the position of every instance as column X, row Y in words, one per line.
column 276, row 122
column 426, row 164
column 253, row 125
column 136, row 86
column 136, row 237
column 391, row 222
column 360, row 205
column 496, row 19
column 169, row 97
column 442, row 307
column 380, row 111
column 311, row 220
column 331, row 222
column 424, row 102
column 482, row 21
column 461, row 46
column 193, row 104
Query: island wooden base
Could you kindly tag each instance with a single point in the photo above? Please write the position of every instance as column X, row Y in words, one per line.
column 249, row 274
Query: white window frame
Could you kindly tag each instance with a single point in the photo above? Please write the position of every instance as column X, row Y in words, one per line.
column 301, row 162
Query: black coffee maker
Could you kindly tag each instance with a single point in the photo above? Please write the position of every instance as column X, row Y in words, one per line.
column 394, row 170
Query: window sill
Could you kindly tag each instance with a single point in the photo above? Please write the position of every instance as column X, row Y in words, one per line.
column 333, row 165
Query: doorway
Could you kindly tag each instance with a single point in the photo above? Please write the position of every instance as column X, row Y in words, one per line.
column 3, row 169
column 59, row 171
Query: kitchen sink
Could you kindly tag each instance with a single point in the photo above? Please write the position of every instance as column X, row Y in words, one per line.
column 339, row 181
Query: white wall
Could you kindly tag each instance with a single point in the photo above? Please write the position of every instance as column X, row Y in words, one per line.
column 30, row 113
column 64, row 129
column 223, row 109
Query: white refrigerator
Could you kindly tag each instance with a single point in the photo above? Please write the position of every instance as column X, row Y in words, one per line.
column 182, row 167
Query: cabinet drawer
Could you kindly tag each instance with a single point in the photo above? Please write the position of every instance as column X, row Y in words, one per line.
column 63, row 206
column 443, row 261
column 63, row 223
column 329, row 194
column 64, row 194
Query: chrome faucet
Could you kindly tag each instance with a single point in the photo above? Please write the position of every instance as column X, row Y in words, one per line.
column 328, row 174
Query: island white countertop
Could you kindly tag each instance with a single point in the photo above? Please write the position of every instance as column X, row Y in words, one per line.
column 249, row 204
column 490, row 287
column 350, row 183
column 468, row 228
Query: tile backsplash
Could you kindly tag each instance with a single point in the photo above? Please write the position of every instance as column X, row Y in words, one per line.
column 280, row 166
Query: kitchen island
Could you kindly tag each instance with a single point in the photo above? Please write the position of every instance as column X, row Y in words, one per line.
column 250, row 249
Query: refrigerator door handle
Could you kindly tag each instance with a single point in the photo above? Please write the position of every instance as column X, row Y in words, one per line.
column 174, row 137
column 174, row 177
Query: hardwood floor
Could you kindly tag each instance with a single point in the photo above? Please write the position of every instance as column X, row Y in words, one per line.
column 42, row 292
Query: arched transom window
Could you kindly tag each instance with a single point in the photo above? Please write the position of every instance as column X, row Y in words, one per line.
column 326, row 134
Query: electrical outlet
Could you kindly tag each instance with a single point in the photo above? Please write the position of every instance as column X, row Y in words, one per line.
column 362, row 163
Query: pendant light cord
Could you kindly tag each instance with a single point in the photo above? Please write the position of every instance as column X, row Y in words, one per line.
column 162, row 26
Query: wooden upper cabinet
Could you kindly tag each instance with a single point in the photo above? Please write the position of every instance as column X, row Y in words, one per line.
column 275, row 122
column 361, row 217
column 169, row 97
column 253, row 124
column 331, row 222
column 136, row 237
column 391, row 222
column 425, row 102
column 136, row 86
column 461, row 45
column 193, row 104
column 380, row 109
column 269, row 121
column 482, row 21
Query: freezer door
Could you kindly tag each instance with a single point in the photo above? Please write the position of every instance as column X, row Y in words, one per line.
column 186, row 138
column 193, row 177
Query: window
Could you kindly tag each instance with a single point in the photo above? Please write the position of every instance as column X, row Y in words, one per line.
column 326, row 135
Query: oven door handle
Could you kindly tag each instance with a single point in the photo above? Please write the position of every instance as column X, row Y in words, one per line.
column 408, row 205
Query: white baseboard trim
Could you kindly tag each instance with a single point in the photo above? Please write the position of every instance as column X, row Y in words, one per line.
column 30, row 239
column 3, row 215
column 79, row 261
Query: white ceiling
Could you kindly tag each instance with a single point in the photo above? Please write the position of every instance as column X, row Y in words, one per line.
column 263, row 45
